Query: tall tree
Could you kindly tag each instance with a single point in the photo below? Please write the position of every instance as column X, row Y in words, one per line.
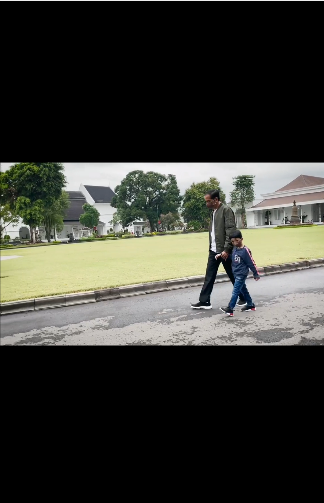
column 53, row 215
column 194, row 210
column 145, row 196
column 116, row 220
column 170, row 221
column 7, row 217
column 31, row 213
column 30, row 187
column 242, row 194
column 90, row 217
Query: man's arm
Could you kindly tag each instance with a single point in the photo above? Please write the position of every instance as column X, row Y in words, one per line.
column 230, row 226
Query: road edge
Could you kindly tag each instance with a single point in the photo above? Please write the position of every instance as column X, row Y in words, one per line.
column 73, row 299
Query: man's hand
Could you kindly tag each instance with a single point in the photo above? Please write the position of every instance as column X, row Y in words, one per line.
column 223, row 255
column 257, row 278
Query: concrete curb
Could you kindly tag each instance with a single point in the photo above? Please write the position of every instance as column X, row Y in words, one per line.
column 72, row 299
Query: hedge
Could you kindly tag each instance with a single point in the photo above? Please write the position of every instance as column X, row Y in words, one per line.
column 293, row 226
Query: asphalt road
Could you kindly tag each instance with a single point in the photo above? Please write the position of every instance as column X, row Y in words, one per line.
column 290, row 311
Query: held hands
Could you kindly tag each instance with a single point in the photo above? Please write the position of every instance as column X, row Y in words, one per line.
column 223, row 255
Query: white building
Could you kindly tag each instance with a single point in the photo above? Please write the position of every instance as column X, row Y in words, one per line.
column 100, row 198
column 307, row 191
column 20, row 231
column 138, row 228
column 71, row 220
column 250, row 217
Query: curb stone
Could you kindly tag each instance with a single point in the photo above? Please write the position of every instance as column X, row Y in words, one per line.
column 72, row 299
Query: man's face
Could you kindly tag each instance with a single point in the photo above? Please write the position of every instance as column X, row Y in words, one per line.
column 210, row 203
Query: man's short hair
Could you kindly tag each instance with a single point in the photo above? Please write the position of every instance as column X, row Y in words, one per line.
column 236, row 234
column 213, row 193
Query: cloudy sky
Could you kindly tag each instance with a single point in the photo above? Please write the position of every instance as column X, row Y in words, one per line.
column 268, row 177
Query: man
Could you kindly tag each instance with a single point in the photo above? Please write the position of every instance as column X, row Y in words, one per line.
column 221, row 225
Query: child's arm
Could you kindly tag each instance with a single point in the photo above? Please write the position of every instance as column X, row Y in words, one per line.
column 248, row 259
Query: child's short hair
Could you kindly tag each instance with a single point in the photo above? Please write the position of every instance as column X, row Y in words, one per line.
column 236, row 234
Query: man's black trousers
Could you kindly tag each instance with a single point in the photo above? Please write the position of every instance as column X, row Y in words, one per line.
column 211, row 273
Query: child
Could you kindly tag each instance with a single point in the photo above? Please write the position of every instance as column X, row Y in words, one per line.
column 242, row 261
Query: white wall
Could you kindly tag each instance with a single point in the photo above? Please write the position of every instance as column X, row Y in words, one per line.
column 13, row 230
column 106, row 212
column 251, row 218
column 106, row 215
column 133, row 228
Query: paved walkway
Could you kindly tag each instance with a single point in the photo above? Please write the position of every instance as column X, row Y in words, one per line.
column 9, row 257
column 290, row 311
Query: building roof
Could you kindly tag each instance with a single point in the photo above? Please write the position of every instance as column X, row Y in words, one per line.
column 296, row 193
column 77, row 200
column 75, row 194
column 100, row 194
column 303, row 181
column 278, row 202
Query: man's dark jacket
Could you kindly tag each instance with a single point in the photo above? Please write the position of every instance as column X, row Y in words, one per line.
column 224, row 224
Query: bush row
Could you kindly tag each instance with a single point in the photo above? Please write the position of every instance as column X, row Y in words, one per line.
column 110, row 237
column 294, row 226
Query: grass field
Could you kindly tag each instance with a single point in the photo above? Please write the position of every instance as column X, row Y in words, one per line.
column 71, row 268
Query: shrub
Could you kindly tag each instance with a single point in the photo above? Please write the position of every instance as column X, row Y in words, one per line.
column 127, row 236
column 6, row 237
column 112, row 239
column 293, row 226
column 148, row 234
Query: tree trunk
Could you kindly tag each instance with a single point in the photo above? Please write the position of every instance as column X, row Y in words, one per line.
column 243, row 215
column 48, row 234
column 32, row 234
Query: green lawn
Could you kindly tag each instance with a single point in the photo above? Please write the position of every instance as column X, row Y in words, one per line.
column 79, row 267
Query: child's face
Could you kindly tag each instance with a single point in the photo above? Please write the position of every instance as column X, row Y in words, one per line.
column 237, row 242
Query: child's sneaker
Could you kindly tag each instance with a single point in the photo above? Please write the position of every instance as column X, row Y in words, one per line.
column 227, row 310
column 249, row 308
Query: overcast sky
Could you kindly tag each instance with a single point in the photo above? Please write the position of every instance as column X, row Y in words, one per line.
column 268, row 177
